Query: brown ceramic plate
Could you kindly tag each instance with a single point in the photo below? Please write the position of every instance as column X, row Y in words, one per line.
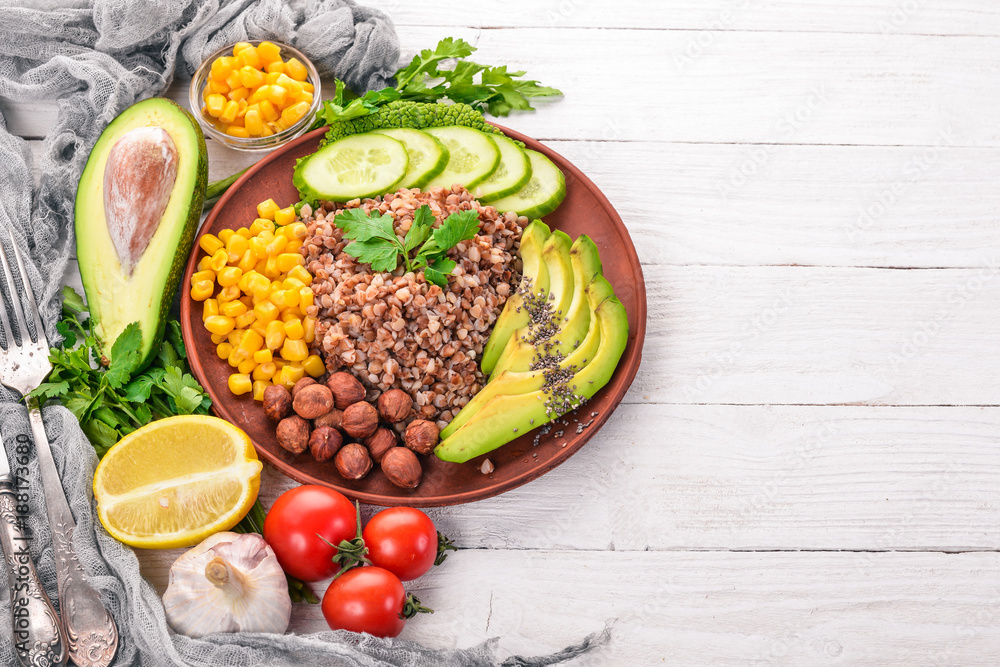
column 584, row 211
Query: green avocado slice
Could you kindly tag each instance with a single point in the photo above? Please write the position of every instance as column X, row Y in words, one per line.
column 138, row 205
column 586, row 262
column 522, row 382
column 506, row 417
column 514, row 316
column 555, row 256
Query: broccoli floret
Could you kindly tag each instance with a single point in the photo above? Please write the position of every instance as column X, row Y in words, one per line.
column 404, row 113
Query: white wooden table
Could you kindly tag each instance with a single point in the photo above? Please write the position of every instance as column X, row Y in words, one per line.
column 807, row 468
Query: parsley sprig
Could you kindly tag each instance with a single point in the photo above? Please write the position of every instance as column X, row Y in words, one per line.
column 109, row 397
column 375, row 241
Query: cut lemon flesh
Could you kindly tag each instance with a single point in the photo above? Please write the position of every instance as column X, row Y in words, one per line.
column 174, row 482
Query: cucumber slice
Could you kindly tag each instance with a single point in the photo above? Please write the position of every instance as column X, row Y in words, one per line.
column 543, row 193
column 359, row 165
column 474, row 156
column 428, row 156
column 512, row 174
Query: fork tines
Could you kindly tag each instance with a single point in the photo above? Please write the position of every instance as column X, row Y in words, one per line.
column 15, row 291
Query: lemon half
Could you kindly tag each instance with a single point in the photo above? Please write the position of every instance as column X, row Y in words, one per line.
column 175, row 481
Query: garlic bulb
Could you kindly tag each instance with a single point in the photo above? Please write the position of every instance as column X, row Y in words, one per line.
column 228, row 583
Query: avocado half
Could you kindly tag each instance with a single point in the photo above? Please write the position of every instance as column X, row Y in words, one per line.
column 138, row 205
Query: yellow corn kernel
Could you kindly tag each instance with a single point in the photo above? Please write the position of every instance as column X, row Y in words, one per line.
column 209, row 308
column 261, row 225
column 309, row 328
column 247, row 262
column 268, row 53
column 300, row 273
column 305, row 97
column 239, row 46
column 294, row 350
column 279, row 363
column 245, row 281
column 219, row 260
column 293, row 246
column 258, row 247
column 259, row 95
column 297, row 230
column 251, row 78
column 218, row 87
column 275, row 335
column 246, row 366
column 247, row 319
column 228, row 114
column 261, row 264
column 239, row 383
column 198, row 276
column 313, row 366
column 233, row 79
column 292, row 114
column 265, row 371
column 247, row 300
column 271, row 269
column 233, row 309
column 276, row 67
column 266, row 209
column 238, row 95
column 216, row 339
column 288, row 260
column 277, row 95
column 289, row 375
column 293, row 87
column 221, row 67
column 231, row 293
column 257, row 325
column 224, row 236
column 293, row 329
column 258, row 388
column 266, row 312
column 235, row 336
column 306, row 298
column 262, row 355
column 229, row 276
column 285, row 298
column 204, row 264
column 202, row 290
column 219, row 324
column 296, row 69
column 253, row 122
column 290, row 314
column 277, row 246
column 268, row 112
column 308, row 87
column 271, row 78
column 252, row 341
column 224, row 350
column 244, row 232
column 277, row 126
column 284, row 216
column 248, row 57
column 235, row 131
column 233, row 359
column 236, row 245
column 259, row 285
column 292, row 283
column 214, row 104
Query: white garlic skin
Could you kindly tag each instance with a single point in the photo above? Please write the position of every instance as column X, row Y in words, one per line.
column 228, row 583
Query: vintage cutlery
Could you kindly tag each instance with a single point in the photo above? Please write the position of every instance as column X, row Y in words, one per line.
column 91, row 636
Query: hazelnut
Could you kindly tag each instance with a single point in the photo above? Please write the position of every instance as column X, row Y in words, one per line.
column 353, row 461
column 347, row 389
column 379, row 442
column 277, row 402
column 402, row 468
column 333, row 418
column 360, row 420
column 293, row 434
column 421, row 436
column 394, row 405
column 324, row 443
column 313, row 401
column 302, row 384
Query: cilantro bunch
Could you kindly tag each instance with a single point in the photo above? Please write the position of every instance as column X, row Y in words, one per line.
column 375, row 242
column 111, row 399
column 427, row 78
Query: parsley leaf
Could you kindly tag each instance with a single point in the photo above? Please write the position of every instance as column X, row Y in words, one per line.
column 457, row 227
column 439, row 270
column 423, row 221
column 125, row 356
column 360, row 226
column 381, row 255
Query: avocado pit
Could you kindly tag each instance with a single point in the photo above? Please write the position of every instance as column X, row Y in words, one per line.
column 139, row 177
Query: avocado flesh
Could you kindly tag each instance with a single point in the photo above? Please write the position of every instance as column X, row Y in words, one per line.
column 520, row 354
column 556, row 257
column 513, row 316
column 523, row 382
column 506, row 417
column 131, row 274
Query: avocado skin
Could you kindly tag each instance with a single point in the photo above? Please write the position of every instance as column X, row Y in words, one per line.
column 513, row 317
column 156, row 106
column 506, row 417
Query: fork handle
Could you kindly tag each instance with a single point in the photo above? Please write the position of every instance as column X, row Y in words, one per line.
column 38, row 637
column 91, row 634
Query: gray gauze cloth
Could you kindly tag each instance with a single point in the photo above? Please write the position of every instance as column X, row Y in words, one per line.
column 95, row 58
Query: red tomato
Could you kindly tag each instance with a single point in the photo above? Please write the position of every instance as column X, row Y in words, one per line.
column 298, row 519
column 366, row 599
column 402, row 540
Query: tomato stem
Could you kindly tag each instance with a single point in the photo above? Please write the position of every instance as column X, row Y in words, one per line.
column 444, row 546
column 350, row 553
column 412, row 607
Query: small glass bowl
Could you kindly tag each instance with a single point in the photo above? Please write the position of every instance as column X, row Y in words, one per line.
column 200, row 79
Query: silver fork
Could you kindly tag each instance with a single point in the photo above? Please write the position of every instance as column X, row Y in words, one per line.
column 91, row 634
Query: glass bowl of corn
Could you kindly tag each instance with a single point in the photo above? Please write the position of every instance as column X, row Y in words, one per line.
column 255, row 95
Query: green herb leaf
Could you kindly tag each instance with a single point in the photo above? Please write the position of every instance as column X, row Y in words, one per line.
column 125, row 356
column 381, row 255
column 72, row 301
column 173, row 336
column 457, row 227
column 425, row 63
column 139, row 389
column 65, row 330
column 183, row 389
column 439, row 270
column 101, row 436
column 360, row 226
column 48, row 390
column 423, row 221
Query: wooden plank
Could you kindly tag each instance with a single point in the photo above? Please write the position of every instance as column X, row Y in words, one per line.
column 709, row 20
column 712, row 608
column 775, row 88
